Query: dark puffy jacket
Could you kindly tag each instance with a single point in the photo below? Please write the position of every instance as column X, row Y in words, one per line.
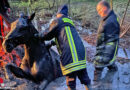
column 107, row 40
column 70, row 46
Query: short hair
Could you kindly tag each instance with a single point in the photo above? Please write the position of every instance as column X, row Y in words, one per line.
column 105, row 3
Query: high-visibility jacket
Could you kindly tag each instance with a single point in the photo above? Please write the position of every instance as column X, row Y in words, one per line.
column 107, row 40
column 69, row 43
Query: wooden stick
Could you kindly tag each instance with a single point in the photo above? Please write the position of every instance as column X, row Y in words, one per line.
column 124, row 14
column 124, row 32
column 111, row 3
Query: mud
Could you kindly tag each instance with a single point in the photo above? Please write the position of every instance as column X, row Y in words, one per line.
column 120, row 80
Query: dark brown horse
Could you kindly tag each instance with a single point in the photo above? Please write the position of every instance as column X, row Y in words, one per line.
column 37, row 63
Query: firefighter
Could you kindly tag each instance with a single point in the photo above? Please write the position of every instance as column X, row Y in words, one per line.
column 71, row 48
column 107, row 40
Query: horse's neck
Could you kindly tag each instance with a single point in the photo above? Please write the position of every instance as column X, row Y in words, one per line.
column 34, row 50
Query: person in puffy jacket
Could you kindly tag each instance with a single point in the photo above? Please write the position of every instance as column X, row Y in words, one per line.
column 70, row 47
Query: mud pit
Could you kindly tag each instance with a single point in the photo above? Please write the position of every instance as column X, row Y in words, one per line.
column 120, row 80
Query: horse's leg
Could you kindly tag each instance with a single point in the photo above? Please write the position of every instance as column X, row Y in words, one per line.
column 56, row 63
column 18, row 72
column 43, row 71
column 8, row 73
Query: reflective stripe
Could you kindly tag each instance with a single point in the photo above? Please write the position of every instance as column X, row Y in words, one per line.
column 74, row 64
column 75, row 51
column 114, row 54
column 117, row 19
column 67, row 20
column 71, row 44
column 74, row 69
column 110, row 43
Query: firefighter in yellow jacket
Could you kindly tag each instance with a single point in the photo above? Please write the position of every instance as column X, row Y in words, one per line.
column 71, row 48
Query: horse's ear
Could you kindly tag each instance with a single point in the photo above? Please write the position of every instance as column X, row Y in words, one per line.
column 32, row 17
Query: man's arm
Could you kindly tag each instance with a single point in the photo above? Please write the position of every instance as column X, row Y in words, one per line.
column 52, row 31
column 100, row 39
column 111, row 32
column 100, row 34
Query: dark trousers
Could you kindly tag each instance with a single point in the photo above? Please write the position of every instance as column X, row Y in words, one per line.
column 112, row 67
column 82, row 75
column 98, row 71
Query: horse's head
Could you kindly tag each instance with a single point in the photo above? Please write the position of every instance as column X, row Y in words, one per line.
column 21, row 33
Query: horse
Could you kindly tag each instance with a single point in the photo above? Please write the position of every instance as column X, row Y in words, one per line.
column 37, row 64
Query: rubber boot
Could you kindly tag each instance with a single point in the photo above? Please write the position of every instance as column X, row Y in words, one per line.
column 110, row 74
column 113, row 68
column 97, row 74
column 97, row 77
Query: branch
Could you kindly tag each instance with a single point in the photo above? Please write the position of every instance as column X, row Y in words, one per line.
column 124, row 32
column 125, row 13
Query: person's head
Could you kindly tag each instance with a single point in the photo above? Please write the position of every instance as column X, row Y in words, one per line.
column 63, row 10
column 103, row 8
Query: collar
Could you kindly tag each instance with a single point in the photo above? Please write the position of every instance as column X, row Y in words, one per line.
column 63, row 16
column 111, row 12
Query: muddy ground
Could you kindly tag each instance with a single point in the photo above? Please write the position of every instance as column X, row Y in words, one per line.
column 120, row 80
